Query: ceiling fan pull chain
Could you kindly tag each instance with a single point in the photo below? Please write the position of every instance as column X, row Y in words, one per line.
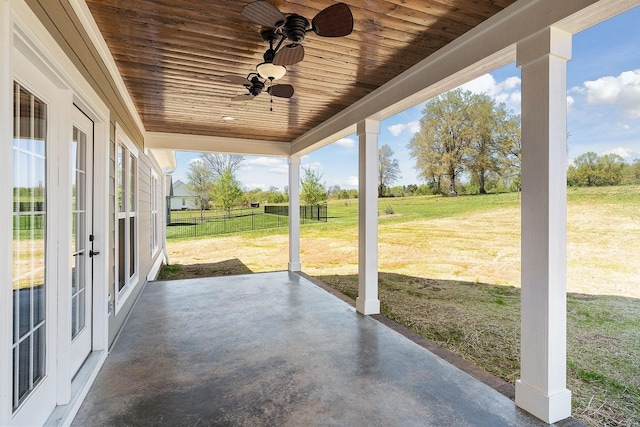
column 271, row 106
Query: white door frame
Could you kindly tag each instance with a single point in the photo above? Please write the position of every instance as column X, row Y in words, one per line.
column 41, row 400
column 81, row 343
column 25, row 43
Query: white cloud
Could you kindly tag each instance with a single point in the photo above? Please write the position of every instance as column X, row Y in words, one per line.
column 414, row 127
column 280, row 169
column 352, row 181
column 570, row 101
column 196, row 160
column 397, row 129
column 253, row 186
column 346, row 143
column 314, row 166
column 275, row 165
column 625, row 153
column 506, row 91
column 511, row 82
column 264, row 161
column 622, row 92
column 488, row 84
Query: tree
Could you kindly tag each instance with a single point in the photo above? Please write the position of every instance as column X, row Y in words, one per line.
column 226, row 191
column 200, row 183
column 584, row 171
column 512, row 157
column 496, row 140
column 465, row 132
column 313, row 192
column 589, row 170
column 388, row 169
column 441, row 146
column 334, row 191
column 632, row 173
column 220, row 163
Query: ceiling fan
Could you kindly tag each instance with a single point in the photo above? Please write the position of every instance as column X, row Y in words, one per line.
column 334, row 21
column 255, row 85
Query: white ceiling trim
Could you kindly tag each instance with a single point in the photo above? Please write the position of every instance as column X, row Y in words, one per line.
column 166, row 159
column 215, row 144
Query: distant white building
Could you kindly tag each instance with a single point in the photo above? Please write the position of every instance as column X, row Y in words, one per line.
column 181, row 198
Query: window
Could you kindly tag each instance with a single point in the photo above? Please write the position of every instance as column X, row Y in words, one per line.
column 126, row 216
column 155, row 200
column 29, row 234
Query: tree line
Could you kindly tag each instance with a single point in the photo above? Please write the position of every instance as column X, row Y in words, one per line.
column 591, row 170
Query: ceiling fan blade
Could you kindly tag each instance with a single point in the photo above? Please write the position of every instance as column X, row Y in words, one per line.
column 243, row 97
column 262, row 13
column 238, row 80
column 334, row 21
column 281, row 91
column 289, row 55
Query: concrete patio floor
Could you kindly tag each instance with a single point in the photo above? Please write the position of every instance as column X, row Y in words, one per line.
column 274, row 349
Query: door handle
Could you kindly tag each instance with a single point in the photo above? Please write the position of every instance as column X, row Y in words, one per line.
column 92, row 253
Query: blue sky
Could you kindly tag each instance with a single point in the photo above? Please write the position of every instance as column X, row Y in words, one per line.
column 603, row 85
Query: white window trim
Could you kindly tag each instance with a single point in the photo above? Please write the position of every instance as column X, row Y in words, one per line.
column 122, row 295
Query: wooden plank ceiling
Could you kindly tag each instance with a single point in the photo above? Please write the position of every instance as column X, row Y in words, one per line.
column 173, row 54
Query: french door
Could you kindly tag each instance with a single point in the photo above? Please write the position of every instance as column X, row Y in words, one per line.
column 81, row 249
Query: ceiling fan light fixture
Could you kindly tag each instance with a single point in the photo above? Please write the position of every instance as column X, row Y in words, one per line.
column 269, row 71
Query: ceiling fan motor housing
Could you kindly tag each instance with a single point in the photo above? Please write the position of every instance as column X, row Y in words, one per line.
column 295, row 28
column 256, row 86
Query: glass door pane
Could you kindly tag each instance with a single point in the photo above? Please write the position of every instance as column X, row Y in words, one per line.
column 29, row 234
column 79, row 231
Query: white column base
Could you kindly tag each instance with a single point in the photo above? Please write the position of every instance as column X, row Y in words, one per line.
column 295, row 266
column 371, row 306
column 550, row 409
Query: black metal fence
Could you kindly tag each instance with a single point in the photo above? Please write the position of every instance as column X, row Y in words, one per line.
column 317, row 213
column 182, row 226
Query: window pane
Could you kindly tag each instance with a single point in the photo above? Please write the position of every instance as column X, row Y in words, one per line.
column 119, row 184
column 38, row 354
column 24, row 120
column 81, row 309
column 39, row 126
column 74, row 274
column 132, row 246
column 132, row 183
column 24, row 307
column 24, row 349
column 74, row 316
column 38, row 304
column 121, row 246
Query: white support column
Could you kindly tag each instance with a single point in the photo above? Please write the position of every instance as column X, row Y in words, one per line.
column 541, row 389
column 367, row 301
column 294, row 213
